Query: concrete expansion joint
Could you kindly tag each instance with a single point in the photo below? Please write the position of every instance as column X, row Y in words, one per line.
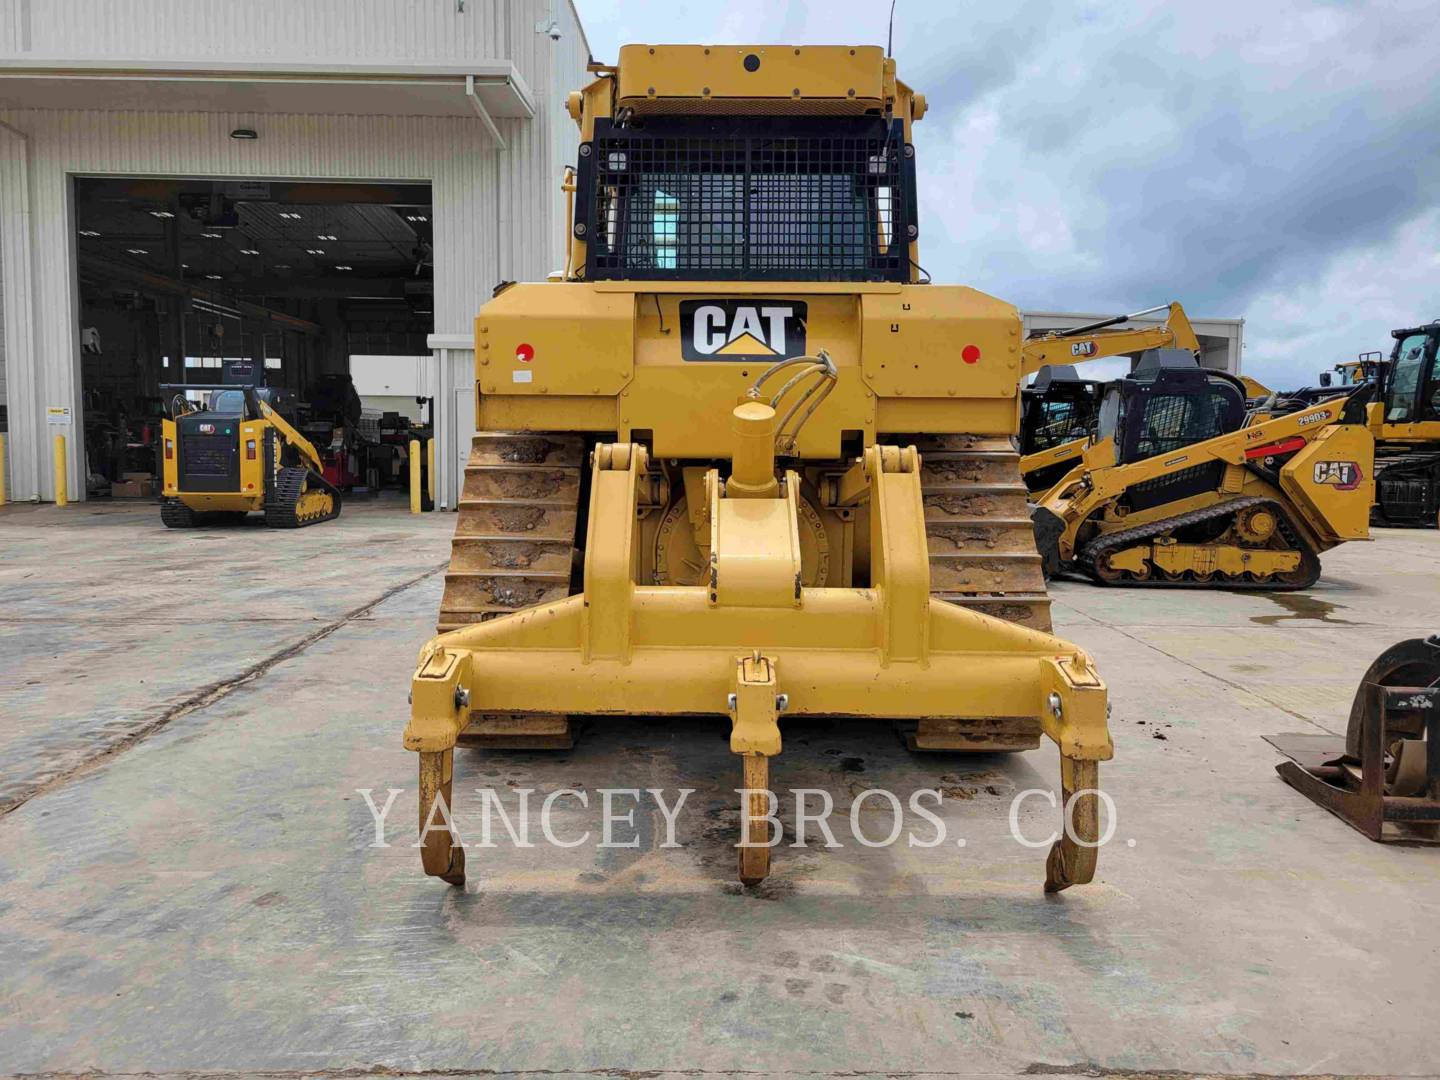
column 208, row 695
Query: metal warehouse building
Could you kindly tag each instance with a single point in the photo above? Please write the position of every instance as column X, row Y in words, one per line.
column 320, row 187
column 297, row 183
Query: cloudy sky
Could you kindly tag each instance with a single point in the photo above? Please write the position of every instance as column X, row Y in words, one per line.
column 1272, row 159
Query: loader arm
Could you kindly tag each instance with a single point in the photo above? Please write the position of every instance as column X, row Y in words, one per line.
column 308, row 452
column 1096, row 480
column 1054, row 455
column 1096, row 341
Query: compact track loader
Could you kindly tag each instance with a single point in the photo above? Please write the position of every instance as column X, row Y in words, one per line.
column 1176, row 489
column 1060, row 406
column 742, row 460
column 238, row 454
column 1057, row 418
column 1404, row 419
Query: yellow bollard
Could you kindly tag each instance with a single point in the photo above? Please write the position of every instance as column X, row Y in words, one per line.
column 430, row 465
column 60, row 471
column 415, row 476
column 2, row 470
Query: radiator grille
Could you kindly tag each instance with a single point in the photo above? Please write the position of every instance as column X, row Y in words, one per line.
column 207, row 455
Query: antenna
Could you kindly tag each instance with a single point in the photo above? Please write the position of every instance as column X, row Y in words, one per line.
column 890, row 33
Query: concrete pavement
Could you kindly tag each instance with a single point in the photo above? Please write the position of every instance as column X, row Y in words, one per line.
column 187, row 886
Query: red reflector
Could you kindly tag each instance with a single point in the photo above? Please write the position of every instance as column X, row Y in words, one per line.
column 970, row 354
column 1275, row 449
column 524, row 353
column 169, row 449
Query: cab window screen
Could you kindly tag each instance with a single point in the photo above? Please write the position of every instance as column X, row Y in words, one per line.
column 817, row 200
column 1173, row 421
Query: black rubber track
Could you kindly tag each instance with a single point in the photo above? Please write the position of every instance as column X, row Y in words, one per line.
column 1092, row 552
column 283, row 498
column 176, row 515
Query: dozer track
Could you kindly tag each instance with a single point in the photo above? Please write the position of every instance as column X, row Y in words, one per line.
column 982, row 545
column 1091, row 556
column 983, row 557
column 298, row 497
column 514, row 542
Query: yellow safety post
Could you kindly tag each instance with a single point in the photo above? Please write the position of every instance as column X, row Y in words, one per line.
column 415, row 476
column 60, row 499
column 430, row 465
column 2, row 470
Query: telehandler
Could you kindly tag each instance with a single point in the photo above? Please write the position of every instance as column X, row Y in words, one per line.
column 237, row 454
column 1176, row 489
column 744, row 459
column 1406, row 424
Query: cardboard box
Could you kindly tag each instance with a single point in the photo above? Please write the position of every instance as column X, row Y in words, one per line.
column 143, row 488
column 137, row 476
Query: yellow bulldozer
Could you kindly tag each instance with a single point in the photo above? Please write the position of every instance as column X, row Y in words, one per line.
column 237, row 453
column 1176, row 488
column 744, row 459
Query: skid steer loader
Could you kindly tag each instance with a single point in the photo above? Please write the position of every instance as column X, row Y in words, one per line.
column 1059, row 407
column 1057, row 418
column 742, row 460
column 238, row 454
column 1176, row 489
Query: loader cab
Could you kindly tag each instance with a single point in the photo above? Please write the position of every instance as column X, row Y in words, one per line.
column 1167, row 403
column 1412, row 384
column 1057, row 407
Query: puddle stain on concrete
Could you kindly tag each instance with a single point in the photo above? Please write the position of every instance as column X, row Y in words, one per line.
column 1300, row 606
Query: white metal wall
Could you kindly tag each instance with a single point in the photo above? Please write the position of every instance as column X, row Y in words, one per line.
column 495, row 214
column 339, row 31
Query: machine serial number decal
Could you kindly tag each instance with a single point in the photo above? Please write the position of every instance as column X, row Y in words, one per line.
column 1341, row 475
column 742, row 329
column 1318, row 418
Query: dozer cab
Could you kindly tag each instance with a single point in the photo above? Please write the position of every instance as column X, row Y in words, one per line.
column 742, row 460
column 237, row 454
column 1406, row 425
column 1176, row 489
column 1060, row 405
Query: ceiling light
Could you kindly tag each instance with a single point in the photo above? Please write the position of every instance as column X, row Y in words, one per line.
column 344, row 268
column 244, row 133
column 161, row 214
column 88, row 232
column 314, row 251
column 282, row 266
column 249, row 251
column 326, row 236
column 289, row 215
column 416, row 217
column 213, row 277
column 211, row 235
column 137, row 251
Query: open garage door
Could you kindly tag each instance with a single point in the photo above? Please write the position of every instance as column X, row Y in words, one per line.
column 189, row 283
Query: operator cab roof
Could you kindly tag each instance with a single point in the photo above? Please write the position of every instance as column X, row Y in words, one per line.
column 1154, row 361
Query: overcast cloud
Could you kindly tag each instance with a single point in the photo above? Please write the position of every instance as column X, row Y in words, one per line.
column 1272, row 159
